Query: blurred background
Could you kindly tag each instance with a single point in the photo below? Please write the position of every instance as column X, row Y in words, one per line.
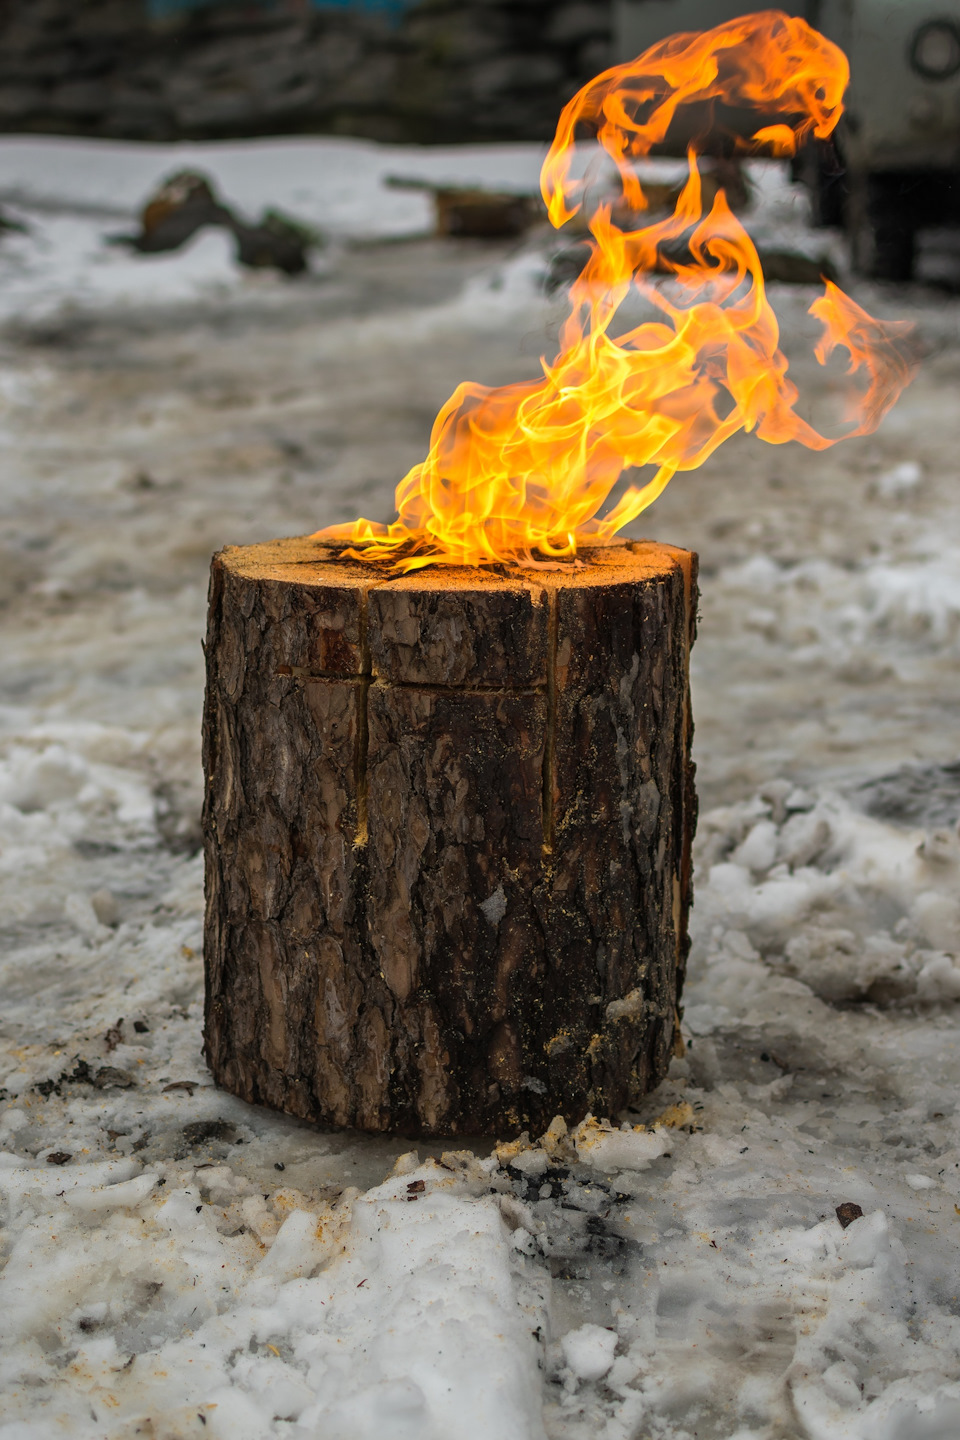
column 453, row 71
column 383, row 69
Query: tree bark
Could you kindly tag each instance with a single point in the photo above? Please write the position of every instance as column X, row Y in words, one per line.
column 447, row 823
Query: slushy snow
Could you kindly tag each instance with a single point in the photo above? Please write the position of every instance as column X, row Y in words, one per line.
column 178, row 1264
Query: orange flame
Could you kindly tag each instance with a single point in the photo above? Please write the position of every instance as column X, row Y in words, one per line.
column 521, row 473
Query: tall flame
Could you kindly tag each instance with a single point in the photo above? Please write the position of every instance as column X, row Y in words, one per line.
column 522, row 473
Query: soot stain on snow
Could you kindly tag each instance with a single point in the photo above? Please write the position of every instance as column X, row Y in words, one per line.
column 198, row 1132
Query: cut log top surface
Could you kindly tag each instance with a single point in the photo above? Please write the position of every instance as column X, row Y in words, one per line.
column 302, row 560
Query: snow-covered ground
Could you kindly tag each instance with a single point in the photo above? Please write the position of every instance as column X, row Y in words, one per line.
column 69, row 196
column 179, row 1264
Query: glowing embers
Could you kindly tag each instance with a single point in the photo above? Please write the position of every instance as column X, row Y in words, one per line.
column 524, row 473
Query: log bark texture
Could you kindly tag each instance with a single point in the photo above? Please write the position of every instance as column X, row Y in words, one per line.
column 447, row 823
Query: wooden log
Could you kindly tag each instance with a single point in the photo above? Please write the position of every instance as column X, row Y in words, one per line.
column 447, row 825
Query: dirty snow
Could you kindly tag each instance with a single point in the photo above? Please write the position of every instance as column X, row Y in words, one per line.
column 179, row 1264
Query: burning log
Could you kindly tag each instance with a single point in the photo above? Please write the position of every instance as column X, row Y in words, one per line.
column 448, row 821
column 449, row 810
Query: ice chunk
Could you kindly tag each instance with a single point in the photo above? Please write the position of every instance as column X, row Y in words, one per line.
column 600, row 1145
column 79, row 910
column 299, row 1246
column 938, row 916
column 759, row 850
column 589, row 1351
column 939, row 978
column 902, row 480
column 531, row 1162
column 127, row 1194
column 838, row 966
column 22, row 1180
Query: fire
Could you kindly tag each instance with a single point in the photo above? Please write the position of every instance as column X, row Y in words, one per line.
column 522, row 473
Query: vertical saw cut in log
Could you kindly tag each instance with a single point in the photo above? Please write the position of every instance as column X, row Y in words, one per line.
column 447, row 822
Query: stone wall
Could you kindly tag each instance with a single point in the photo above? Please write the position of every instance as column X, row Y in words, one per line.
column 437, row 70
